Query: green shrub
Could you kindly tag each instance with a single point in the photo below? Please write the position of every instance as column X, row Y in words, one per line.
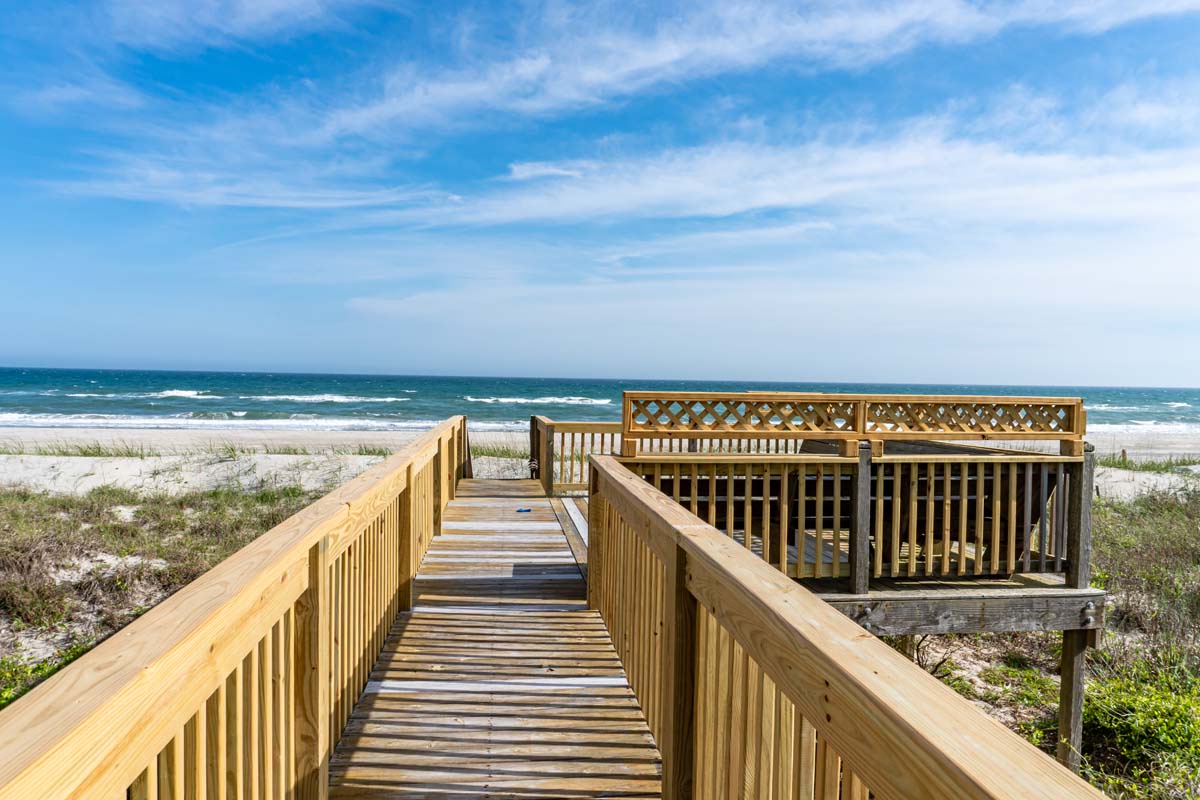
column 1134, row 721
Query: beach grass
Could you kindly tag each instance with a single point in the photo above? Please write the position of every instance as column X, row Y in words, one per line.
column 73, row 569
column 1161, row 465
column 81, row 449
column 1142, row 704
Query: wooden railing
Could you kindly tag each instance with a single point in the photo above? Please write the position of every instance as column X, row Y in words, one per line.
column 559, row 451
column 753, row 687
column 823, row 516
column 814, row 416
column 239, row 684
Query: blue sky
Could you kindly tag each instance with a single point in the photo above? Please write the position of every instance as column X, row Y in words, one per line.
column 904, row 191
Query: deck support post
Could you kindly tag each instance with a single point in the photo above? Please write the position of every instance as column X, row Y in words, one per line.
column 678, row 745
column 860, row 522
column 1072, row 669
column 311, row 700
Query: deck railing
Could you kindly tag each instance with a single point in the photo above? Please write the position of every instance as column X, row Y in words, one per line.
column 816, row 416
column 239, row 684
column 559, row 451
column 753, row 687
column 982, row 513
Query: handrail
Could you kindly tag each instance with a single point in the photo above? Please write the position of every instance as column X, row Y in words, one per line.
column 275, row 642
column 558, row 451
column 823, row 690
column 810, row 415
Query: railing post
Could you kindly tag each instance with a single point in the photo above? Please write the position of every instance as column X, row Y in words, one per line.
column 596, row 540
column 534, row 450
column 404, row 597
column 860, row 522
column 546, row 464
column 1072, row 668
column 678, row 743
column 468, row 470
column 439, row 487
column 311, row 700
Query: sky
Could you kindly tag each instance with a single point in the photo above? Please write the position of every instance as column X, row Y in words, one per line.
column 925, row 190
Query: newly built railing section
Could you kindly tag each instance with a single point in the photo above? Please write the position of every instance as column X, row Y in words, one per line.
column 753, row 687
column 239, row 684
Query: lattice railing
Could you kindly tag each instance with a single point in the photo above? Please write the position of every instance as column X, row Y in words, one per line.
column 649, row 415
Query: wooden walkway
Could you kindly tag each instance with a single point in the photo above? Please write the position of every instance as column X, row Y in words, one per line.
column 500, row 683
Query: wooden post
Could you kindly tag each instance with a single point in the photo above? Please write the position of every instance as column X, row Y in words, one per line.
column 678, row 745
column 311, row 700
column 546, row 465
column 860, row 522
column 534, row 449
column 439, row 477
column 468, row 471
column 1073, row 665
column 596, row 537
column 404, row 597
column 1070, row 698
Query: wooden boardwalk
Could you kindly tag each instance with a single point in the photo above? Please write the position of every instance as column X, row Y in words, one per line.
column 500, row 683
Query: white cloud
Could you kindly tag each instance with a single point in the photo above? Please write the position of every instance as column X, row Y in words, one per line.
column 167, row 24
column 595, row 53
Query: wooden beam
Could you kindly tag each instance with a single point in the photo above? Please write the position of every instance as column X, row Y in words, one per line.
column 945, row 611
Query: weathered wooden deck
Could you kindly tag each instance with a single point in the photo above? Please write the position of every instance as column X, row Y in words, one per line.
column 500, row 682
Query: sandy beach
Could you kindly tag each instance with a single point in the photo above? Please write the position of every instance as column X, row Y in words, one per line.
column 1138, row 442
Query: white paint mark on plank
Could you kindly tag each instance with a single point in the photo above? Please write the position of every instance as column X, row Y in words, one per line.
column 580, row 682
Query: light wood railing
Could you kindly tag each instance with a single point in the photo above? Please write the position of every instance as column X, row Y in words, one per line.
column 753, row 687
column 559, row 451
column 239, row 684
column 816, row 416
column 983, row 513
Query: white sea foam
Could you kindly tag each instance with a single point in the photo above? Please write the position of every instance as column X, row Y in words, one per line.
column 1107, row 407
column 322, row 398
column 542, row 401
column 1178, row 405
column 187, row 421
column 187, row 394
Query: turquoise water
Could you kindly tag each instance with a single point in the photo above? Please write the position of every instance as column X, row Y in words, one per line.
column 144, row 399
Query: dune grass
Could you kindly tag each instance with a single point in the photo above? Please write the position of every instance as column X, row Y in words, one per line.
column 75, row 569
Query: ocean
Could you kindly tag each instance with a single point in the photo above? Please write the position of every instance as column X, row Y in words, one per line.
column 154, row 399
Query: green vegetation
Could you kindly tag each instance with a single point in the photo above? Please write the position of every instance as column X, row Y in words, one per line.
column 1142, row 706
column 75, row 569
column 1170, row 464
column 499, row 450
column 86, row 449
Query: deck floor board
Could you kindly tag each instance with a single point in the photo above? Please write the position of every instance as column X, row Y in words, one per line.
column 500, row 683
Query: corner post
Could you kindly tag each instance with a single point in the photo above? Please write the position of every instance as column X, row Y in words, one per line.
column 546, row 465
column 311, row 691
column 860, row 522
column 1072, row 668
column 439, row 486
column 678, row 745
column 534, row 449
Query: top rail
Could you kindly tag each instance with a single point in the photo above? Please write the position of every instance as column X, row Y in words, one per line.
column 243, row 679
column 711, row 636
column 648, row 414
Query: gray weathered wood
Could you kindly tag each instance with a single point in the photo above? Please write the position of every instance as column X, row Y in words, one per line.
column 1079, row 520
column 946, row 611
column 860, row 522
column 1070, row 699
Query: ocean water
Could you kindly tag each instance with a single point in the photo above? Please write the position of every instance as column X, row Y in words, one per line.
column 146, row 399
